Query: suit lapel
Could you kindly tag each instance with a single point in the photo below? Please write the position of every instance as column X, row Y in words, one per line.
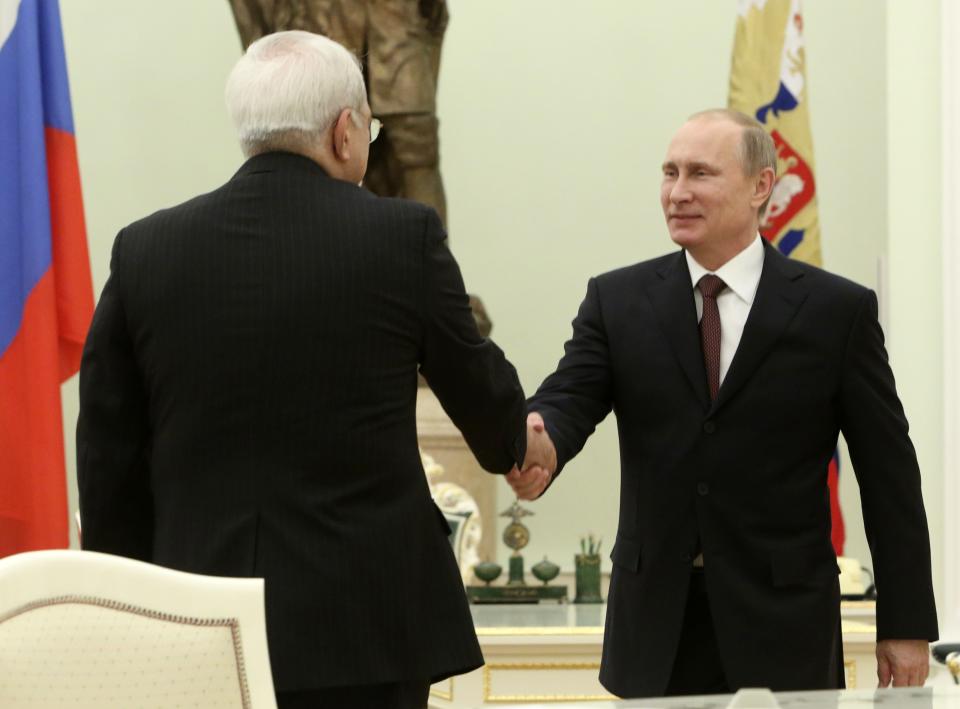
column 672, row 298
column 780, row 294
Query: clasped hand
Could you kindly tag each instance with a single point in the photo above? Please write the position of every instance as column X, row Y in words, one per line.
column 539, row 465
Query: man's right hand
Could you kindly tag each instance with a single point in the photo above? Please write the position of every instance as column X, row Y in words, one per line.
column 539, row 465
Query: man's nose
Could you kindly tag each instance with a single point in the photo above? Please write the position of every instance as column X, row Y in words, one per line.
column 679, row 192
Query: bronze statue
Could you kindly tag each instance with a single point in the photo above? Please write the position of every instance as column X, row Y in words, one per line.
column 398, row 43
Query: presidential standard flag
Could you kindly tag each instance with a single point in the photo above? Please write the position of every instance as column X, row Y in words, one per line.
column 46, row 297
column 768, row 82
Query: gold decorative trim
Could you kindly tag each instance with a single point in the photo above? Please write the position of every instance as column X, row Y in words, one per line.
column 847, row 626
column 440, row 694
column 541, row 630
column 489, row 696
column 854, row 605
column 850, row 670
column 231, row 623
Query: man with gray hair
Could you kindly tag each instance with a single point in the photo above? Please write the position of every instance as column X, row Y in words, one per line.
column 248, row 393
column 732, row 370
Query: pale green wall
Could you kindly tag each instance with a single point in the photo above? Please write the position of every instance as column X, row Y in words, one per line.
column 915, row 249
column 554, row 124
column 146, row 80
column 554, row 119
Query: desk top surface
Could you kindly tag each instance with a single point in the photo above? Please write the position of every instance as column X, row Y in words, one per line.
column 925, row 698
column 560, row 617
column 567, row 618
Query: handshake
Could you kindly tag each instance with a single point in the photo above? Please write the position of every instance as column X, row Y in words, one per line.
column 540, row 463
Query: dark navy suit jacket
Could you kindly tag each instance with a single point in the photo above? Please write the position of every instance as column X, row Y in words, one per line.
column 745, row 474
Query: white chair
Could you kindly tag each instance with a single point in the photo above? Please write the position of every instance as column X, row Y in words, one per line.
column 83, row 630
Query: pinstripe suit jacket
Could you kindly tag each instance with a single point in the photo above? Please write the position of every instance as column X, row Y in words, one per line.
column 248, row 394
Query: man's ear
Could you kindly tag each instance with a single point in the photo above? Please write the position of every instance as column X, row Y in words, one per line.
column 764, row 185
column 341, row 136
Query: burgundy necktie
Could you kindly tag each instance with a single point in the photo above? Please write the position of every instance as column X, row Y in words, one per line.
column 710, row 287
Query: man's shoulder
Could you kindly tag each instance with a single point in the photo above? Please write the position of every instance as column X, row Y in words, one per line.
column 641, row 271
column 417, row 222
column 406, row 209
column 816, row 278
column 368, row 211
column 165, row 214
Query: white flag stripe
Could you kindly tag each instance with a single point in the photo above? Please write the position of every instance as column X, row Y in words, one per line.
column 743, row 6
column 791, row 63
column 8, row 18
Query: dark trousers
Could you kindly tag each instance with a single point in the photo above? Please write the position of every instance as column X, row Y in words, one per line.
column 697, row 668
column 397, row 695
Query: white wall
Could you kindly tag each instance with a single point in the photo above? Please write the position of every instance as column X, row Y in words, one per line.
column 554, row 119
column 146, row 81
column 915, row 248
column 950, row 156
column 554, row 123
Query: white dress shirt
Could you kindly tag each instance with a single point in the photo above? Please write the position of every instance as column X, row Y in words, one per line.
column 742, row 276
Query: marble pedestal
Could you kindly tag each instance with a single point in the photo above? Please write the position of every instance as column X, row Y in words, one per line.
column 440, row 439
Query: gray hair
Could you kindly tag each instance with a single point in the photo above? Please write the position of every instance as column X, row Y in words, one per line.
column 757, row 150
column 288, row 88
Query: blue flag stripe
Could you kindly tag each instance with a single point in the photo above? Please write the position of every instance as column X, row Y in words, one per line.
column 25, row 251
column 57, row 111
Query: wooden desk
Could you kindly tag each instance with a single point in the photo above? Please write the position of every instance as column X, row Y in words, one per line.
column 551, row 653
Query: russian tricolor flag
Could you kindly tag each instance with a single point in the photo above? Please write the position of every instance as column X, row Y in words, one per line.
column 46, row 297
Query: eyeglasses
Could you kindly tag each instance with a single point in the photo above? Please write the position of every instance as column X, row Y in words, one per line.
column 374, row 126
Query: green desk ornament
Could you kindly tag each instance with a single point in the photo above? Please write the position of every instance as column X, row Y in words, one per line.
column 587, row 565
column 487, row 571
column 545, row 570
column 516, row 536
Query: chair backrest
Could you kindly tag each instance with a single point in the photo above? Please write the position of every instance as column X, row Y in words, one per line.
column 83, row 629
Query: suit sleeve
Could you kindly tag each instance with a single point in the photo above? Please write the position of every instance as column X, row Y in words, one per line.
column 116, row 508
column 474, row 382
column 885, row 463
column 578, row 395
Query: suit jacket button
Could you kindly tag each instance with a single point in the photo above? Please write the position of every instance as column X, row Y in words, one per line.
column 703, row 489
column 709, row 427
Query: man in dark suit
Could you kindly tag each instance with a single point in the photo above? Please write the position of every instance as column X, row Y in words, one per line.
column 248, row 390
column 723, row 571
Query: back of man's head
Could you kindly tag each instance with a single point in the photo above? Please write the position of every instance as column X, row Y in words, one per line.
column 288, row 88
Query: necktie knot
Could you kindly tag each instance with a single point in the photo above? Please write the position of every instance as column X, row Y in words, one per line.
column 710, row 285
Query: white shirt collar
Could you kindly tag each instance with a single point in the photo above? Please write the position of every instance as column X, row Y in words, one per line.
column 741, row 273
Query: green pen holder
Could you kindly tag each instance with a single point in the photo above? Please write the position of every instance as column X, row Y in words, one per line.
column 587, row 567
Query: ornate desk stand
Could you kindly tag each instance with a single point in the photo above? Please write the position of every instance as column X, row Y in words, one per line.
column 517, row 536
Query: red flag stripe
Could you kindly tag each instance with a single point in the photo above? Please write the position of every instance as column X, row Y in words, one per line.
column 33, row 498
column 71, row 265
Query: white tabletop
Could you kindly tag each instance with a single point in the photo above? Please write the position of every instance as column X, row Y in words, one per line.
column 924, row 698
column 539, row 615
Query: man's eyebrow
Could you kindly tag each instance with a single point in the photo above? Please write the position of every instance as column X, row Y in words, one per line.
column 700, row 165
column 692, row 166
